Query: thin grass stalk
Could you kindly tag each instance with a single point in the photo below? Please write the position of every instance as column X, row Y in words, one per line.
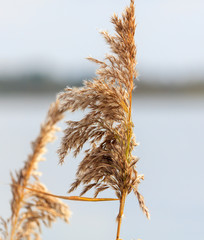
column 120, row 215
column 74, row 198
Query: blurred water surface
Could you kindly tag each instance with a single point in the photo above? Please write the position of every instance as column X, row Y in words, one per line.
column 170, row 130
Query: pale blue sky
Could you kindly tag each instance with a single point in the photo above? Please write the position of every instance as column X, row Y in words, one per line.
column 57, row 35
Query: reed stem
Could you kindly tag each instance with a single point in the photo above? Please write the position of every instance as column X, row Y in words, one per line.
column 120, row 215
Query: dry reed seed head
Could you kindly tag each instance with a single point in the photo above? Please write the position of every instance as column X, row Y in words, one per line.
column 31, row 209
column 107, row 127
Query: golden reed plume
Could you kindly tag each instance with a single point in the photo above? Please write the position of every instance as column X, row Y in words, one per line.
column 31, row 208
column 108, row 127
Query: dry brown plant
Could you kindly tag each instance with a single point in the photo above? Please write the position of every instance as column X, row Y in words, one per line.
column 30, row 208
column 108, row 127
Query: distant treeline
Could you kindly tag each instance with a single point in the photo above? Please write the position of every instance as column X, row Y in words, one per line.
column 39, row 83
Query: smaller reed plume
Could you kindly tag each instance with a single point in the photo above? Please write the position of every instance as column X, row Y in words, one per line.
column 108, row 127
column 31, row 209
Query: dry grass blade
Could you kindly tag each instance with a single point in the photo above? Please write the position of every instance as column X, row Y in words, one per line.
column 73, row 198
column 108, row 127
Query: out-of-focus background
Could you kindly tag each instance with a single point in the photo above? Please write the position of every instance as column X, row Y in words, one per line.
column 43, row 48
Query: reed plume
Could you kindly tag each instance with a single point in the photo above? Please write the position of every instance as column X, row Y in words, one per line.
column 30, row 208
column 107, row 127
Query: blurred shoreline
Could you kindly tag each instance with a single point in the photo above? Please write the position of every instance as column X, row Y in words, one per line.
column 39, row 84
